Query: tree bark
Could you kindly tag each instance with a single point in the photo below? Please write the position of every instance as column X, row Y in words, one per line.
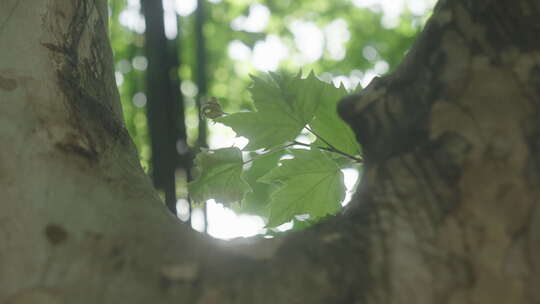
column 447, row 211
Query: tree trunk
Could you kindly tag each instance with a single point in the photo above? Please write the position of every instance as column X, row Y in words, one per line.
column 447, row 211
column 163, row 109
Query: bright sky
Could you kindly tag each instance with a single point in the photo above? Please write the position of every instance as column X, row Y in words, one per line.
column 310, row 43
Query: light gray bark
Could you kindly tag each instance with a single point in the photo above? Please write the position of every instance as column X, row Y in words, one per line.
column 447, row 211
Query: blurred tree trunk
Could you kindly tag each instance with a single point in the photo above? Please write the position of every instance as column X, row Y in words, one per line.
column 202, row 82
column 164, row 112
column 447, row 211
column 201, row 68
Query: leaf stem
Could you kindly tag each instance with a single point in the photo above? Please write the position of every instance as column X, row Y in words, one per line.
column 297, row 143
column 331, row 148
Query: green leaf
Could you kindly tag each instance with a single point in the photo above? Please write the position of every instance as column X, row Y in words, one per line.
column 341, row 161
column 256, row 201
column 284, row 105
column 328, row 125
column 262, row 130
column 218, row 176
column 303, row 94
column 311, row 184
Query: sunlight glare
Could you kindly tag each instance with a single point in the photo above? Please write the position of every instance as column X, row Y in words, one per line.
column 182, row 209
column 269, row 53
column 340, row 80
column 350, row 177
column 189, row 88
column 197, row 219
column 237, row 50
column 140, row 63
column 255, row 22
column 309, row 40
column 139, row 99
column 132, row 18
column 185, row 7
column 123, row 65
column 119, row 77
column 370, row 53
column 355, row 77
column 336, row 35
column 381, row 67
column 169, row 18
column 224, row 223
column 367, row 78
column 221, row 136
column 285, row 226
column 392, row 9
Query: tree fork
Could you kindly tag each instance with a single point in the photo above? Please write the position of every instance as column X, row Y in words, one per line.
column 447, row 211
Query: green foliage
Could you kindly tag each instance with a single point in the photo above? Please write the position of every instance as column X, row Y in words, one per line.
column 256, row 201
column 285, row 104
column 312, row 183
column 309, row 181
column 328, row 125
column 218, row 176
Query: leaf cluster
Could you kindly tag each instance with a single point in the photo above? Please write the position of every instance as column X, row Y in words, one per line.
column 276, row 175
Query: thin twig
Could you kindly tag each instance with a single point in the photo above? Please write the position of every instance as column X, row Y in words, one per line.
column 329, row 149
column 312, row 146
column 334, row 149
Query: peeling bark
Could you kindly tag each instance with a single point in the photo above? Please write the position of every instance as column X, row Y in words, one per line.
column 447, row 211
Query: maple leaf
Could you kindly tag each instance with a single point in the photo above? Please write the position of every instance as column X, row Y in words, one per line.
column 311, row 183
